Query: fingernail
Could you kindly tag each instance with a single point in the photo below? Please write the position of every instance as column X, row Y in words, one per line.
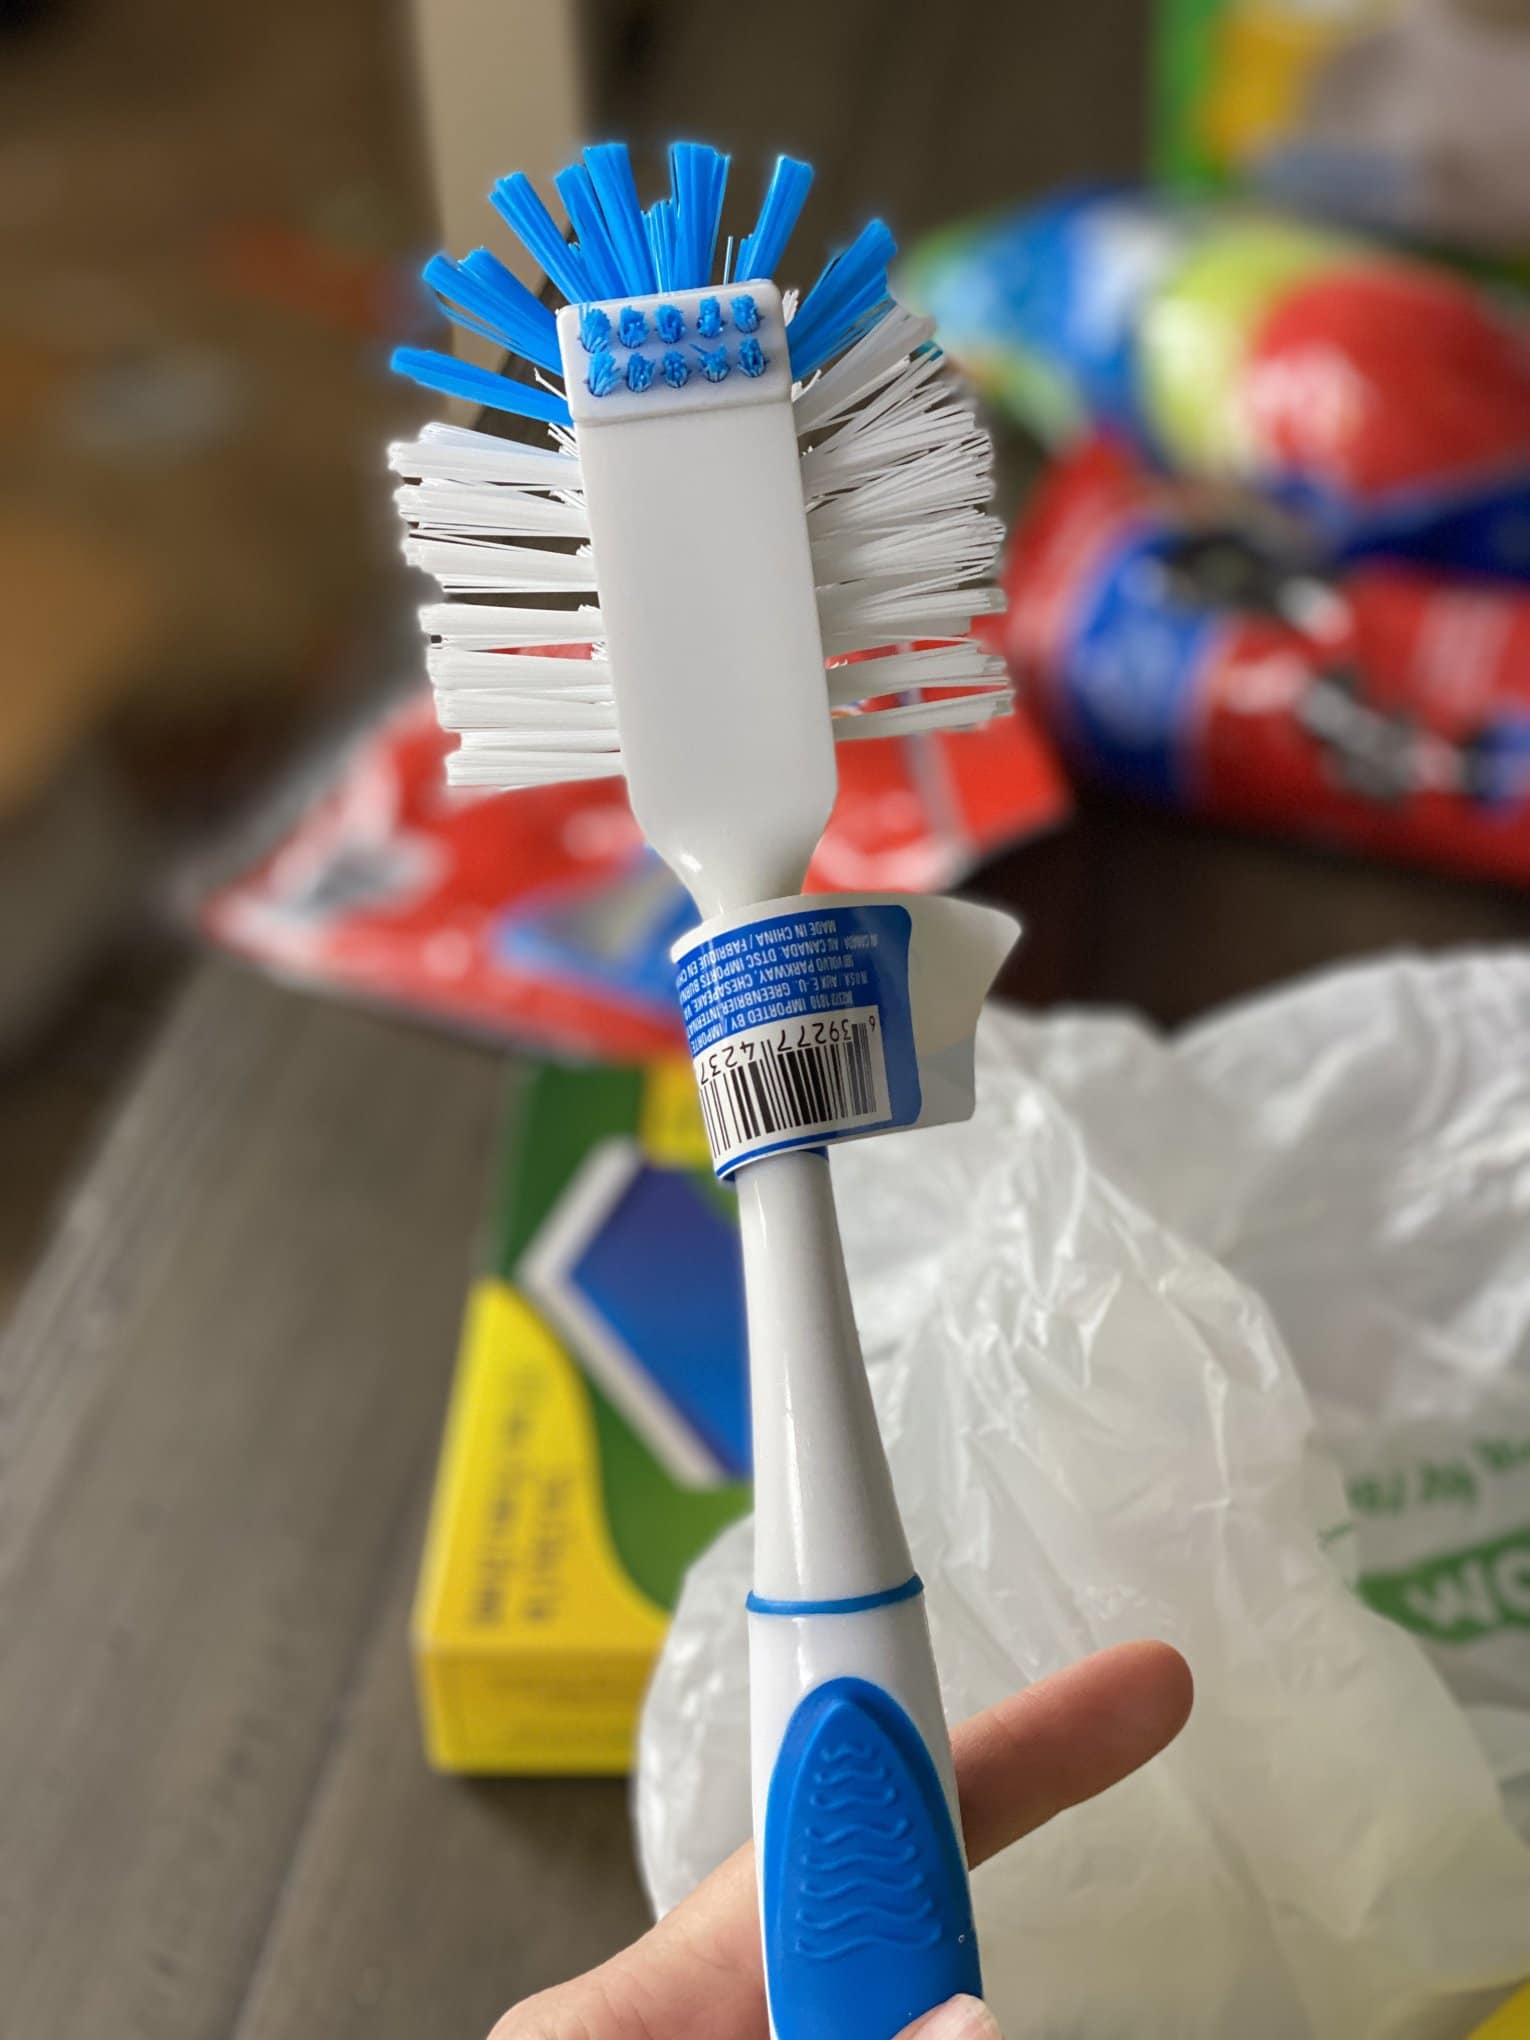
column 960, row 2018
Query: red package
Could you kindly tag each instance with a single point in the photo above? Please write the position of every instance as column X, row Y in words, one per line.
column 540, row 915
column 1178, row 647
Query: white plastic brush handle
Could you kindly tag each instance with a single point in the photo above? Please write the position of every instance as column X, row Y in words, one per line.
column 701, row 551
column 865, row 1911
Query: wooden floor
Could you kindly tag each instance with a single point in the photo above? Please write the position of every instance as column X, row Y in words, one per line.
column 222, row 1391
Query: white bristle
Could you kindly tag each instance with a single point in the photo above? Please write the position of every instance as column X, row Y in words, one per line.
column 861, row 460
column 438, row 508
column 451, row 453
column 910, row 718
column 535, row 723
column 878, row 355
column 942, row 553
column 450, row 667
column 958, row 476
column 535, row 720
column 962, row 664
column 919, row 380
column 467, row 566
column 503, row 767
column 863, row 615
column 489, row 627
column 920, row 419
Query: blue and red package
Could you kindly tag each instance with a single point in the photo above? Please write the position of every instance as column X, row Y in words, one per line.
column 1382, row 398
column 1180, row 647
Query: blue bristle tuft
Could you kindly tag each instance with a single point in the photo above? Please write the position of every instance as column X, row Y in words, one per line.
column 842, row 302
column 622, row 252
column 529, row 328
column 454, row 293
column 659, row 222
column 479, row 385
column 610, row 170
column 780, row 210
column 698, row 178
column 594, row 328
column 515, row 199
column 583, row 209
column 604, row 374
column 498, row 315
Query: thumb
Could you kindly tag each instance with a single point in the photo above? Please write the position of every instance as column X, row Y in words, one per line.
column 960, row 2018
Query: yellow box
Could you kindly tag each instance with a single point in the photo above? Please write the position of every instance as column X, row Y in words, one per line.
column 557, row 1537
column 1510, row 2022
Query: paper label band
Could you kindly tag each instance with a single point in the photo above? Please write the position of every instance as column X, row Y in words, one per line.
column 826, row 1019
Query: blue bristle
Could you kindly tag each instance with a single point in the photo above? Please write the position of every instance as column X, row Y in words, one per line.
column 479, row 385
column 780, row 210
column 583, row 209
column 698, row 178
column 515, row 199
column 610, row 171
column 659, row 223
column 840, row 303
column 594, row 328
column 604, row 374
column 521, row 320
column 623, row 252
column 453, row 294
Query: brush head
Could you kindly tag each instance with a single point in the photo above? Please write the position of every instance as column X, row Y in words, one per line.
column 740, row 495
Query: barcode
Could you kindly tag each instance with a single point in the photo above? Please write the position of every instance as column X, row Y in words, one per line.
column 776, row 1082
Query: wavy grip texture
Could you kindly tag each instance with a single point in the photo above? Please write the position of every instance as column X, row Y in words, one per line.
column 868, row 1921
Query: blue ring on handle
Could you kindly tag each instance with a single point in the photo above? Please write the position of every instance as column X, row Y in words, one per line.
column 852, row 1604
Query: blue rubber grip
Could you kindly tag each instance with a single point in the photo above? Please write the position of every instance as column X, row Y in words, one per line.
column 868, row 1919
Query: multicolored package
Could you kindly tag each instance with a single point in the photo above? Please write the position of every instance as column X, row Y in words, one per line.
column 541, row 916
column 598, row 1437
column 1382, row 398
column 1179, row 649
column 1407, row 116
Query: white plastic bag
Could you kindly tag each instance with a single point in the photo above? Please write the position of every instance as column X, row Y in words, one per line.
column 1097, row 1432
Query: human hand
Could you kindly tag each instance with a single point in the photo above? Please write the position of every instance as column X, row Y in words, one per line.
column 697, row 1974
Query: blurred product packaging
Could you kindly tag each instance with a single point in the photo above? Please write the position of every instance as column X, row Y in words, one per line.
column 1180, row 646
column 538, row 916
column 1382, row 399
column 598, row 1436
column 1403, row 115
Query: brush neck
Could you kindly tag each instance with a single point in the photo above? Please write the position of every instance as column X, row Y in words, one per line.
column 826, row 1519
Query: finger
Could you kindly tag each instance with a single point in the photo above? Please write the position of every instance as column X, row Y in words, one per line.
column 959, row 2018
column 1065, row 1739
column 697, row 1974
